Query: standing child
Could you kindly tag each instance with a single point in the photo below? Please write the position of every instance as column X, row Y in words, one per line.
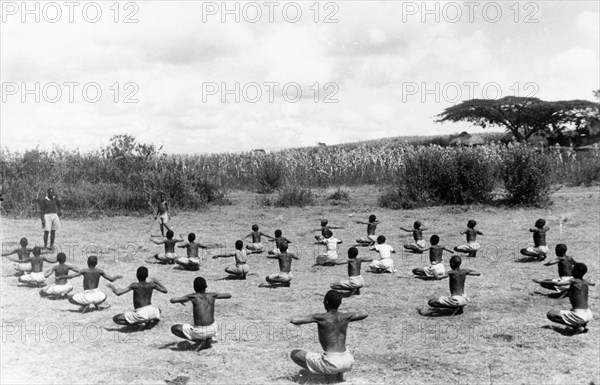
column 436, row 267
column 279, row 240
column 371, row 230
column 330, row 256
column 203, row 303
column 144, row 312
column 240, row 269
column 419, row 245
column 385, row 263
column 191, row 262
column 539, row 249
column 256, row 234
column 61, row 286
column 284, row 277
column 457, row 299
column 163, row 214
column 580, row 314
column 472, row 245
column 355, row 280
column 91, row 296
column 169, row 256
column 324, row 228
column 565, row 270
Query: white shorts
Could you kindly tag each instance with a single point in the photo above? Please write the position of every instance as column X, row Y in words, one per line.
column 576, row 317
column 164, row 218
column 90, row 297
column 351, row 283
column 256, row 247
column 436, row 270
column 167, row 256
column 420, row 244
column 51, row 222
column 143, row 314
column 238, row 269
column 24, row 267
column 470, row 246
column 329, row 363
column 281, row 277
column 540, row 250
column 386, row 264
column 187, row 261
column 453, row 301
column 326, row 258
column 367, row 239
column 55, row 289
column 32, row 278
column 199, row 332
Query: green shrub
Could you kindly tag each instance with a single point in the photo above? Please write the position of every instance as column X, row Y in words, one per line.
column 528, row 175
column 271, row 174
column 339, row 196
column 294, row 196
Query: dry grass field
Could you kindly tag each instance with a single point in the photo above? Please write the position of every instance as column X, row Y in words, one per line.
column 503, row 337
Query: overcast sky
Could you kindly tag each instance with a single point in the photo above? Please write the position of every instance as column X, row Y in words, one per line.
column 365, row 70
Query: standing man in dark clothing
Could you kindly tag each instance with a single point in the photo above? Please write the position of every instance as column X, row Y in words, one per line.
column 50, row 210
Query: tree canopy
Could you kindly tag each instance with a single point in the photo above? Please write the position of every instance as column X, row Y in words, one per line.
column 524, row 116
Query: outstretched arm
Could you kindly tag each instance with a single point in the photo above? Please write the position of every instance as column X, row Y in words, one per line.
column 471, row 272
column 181, row 300
column 358, row 317
column 79, row 273
column 50, row 260
column 119, row 292
column 157, row 242
column 552, row 262
column 20, row 261
column 159, row 286
column 479, row 232
column 223, row 296
column 403, row 229
column 303, row 320
column 223, row 255
column 11, row 253
column 49, row 272
column 111, row 278
column 267, row 236
column 452, row 251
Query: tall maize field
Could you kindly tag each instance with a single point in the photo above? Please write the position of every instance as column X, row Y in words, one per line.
column 125, row 181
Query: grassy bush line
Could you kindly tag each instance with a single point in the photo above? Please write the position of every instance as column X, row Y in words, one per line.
column 124, row 177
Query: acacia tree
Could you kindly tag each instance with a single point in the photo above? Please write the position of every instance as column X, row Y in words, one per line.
column 523, row 116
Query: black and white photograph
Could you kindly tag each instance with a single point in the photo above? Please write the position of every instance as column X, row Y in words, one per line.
column 300, row 192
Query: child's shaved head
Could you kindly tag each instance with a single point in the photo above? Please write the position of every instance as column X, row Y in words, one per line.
column 352, row 252
column 199, row 285
column 61, row 257
column 455, row 262
column 333, row 299
column 141, row 273
column 92, row 261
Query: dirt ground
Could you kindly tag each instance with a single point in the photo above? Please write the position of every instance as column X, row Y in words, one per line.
column 502, row 337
